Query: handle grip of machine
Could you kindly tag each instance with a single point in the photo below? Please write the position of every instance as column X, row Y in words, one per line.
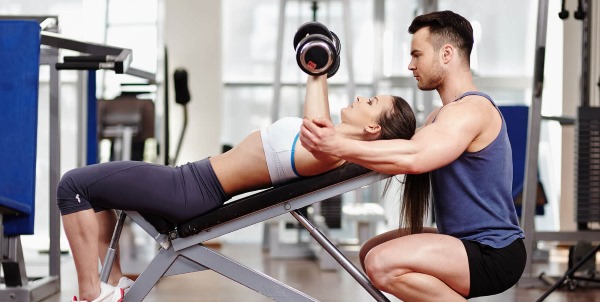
column 85, row 65
column 180, row 81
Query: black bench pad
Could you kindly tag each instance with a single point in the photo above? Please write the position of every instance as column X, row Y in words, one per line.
column 268, row 198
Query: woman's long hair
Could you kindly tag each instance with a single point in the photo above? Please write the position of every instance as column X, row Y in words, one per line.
column 400, row 123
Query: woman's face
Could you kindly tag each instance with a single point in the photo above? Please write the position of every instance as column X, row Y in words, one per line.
column 366, row 111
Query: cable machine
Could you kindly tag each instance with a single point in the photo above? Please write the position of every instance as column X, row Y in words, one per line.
column 587, row 201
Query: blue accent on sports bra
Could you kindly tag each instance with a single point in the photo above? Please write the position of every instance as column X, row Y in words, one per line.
column 278, row 142
column 292, row 155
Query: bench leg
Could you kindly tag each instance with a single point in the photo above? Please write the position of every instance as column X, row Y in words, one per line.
column 259, row 282
column 13, row 263
column 150, row 276
column 340, row 258
column 112, row 248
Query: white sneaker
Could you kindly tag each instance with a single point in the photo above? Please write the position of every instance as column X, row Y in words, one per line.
column 106, row 290
column 125, row 283
column 109, row 293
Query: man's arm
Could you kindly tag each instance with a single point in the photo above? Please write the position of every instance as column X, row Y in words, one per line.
column 434, row 146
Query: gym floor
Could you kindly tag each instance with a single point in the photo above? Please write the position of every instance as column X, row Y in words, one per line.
column 303, row 274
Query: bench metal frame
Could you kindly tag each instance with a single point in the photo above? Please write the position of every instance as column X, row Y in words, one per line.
column 179, row 255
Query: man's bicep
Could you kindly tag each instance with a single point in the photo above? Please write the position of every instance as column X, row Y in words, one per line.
column 443, row 141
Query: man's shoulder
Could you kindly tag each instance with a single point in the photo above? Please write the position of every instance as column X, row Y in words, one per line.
column 432, row 115
column 462, row 108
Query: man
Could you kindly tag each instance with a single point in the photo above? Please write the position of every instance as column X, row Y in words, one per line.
column 477, row 249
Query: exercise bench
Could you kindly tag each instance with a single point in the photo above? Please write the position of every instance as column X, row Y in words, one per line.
column 182, row 250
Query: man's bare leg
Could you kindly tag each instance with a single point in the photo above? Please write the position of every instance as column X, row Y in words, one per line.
column 420, row 267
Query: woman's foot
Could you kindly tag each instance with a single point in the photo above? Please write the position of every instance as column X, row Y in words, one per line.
column 108, row 293
column 125, row 283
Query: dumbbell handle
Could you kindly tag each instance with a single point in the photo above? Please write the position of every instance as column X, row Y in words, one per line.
column 305, row 48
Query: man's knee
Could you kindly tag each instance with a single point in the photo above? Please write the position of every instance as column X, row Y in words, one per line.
column 377, row 269
column 362, row 254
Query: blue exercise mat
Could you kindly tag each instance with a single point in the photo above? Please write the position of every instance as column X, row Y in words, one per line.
column 19, row 80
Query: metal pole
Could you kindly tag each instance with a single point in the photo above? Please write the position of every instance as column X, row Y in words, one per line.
column 278, row 60
column 378, row 30
column 82, row 92
column 586, row 52
column 348, row 48
column 533, row 138
column 339, row 257
column 569, row 273
column 54, row 169
column 112, row 248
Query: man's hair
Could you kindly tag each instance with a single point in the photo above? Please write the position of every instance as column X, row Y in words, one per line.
column 446, row 27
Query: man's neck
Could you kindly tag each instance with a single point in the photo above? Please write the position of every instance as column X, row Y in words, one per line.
column 455, row 85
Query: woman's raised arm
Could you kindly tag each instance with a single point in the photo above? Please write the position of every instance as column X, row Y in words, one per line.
column 316, row 100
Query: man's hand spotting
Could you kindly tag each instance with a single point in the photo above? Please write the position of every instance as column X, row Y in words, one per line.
column 319, row 136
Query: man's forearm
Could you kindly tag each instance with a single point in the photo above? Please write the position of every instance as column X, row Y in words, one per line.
column 385, row 156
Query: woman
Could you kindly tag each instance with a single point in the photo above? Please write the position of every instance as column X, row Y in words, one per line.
column 261, row 160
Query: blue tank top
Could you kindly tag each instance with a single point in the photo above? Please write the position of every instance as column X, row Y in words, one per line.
column 472, row 195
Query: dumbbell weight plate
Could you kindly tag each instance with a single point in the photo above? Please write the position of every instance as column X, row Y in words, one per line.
column 335, row 68
column 310, row 28
column 336, row 41
column 315, row 55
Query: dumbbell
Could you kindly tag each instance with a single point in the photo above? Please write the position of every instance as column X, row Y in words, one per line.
column 317, row 49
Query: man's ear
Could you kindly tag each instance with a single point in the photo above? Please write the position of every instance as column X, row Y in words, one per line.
column 373, row 129
column 447, row 52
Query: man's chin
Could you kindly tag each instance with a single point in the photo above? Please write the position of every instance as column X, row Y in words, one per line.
column 425, row 87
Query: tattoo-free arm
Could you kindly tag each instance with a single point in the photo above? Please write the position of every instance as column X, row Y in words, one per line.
column 434, row 146
column 316, row 99
column 316, row 105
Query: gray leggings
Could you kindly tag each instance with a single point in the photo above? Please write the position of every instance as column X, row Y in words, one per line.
column 176, row 194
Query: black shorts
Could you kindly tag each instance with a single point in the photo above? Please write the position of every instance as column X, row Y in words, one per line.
column 494, row 270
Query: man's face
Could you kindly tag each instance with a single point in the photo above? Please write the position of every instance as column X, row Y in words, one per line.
column 425, row 62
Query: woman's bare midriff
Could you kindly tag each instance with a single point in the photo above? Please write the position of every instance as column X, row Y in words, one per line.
column 243, row 168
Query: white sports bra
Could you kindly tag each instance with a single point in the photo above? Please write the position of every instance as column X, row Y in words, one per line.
column 279, row 143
